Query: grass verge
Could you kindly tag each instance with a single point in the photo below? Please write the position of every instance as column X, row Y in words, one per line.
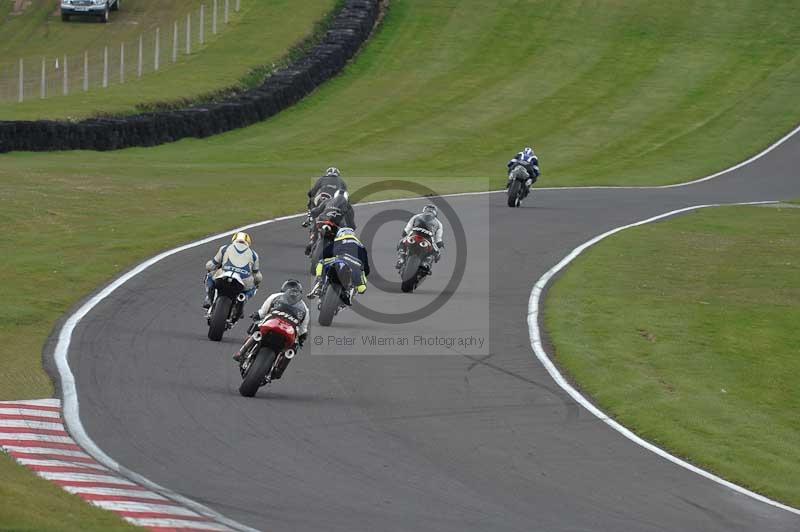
column 29, row 503
column 686, row 332
column 262, row 33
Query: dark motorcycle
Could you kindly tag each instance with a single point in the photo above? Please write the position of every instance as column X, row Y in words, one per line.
column 517, row 189
column 418, row 252
column 267, row 351
column 227, row 306
column 337, row 290
column 324, row 233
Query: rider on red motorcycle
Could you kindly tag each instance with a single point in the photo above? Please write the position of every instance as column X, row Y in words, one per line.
column 337, row 211
column 287, row 304
column 429, row 221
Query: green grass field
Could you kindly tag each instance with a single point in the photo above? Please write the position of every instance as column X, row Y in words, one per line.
column 609, row 93
column 28, row 503
column 686, row 332
column 260, row 34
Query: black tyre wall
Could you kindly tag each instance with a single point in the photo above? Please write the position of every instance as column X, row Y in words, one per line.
column 349, row 30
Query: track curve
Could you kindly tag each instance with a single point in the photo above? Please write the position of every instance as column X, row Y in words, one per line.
column 467, row 440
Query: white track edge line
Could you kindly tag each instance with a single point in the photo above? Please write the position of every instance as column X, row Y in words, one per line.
column 541, row 354
column 735, row 167
column 69, row 389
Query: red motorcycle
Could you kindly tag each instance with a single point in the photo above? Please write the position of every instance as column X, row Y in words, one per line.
column 324, row 233
column 267, row 351
column 418, row 254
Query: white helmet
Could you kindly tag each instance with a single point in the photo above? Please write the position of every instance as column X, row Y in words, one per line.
column 332, row 171
column 431, row 208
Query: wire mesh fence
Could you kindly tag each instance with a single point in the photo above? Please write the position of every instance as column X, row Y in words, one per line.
column 38, row 77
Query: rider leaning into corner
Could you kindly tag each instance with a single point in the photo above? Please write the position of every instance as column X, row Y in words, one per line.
column 237, row 257
column 329, row 183
column 337, row 210
column 287, row 304
column 428, row 220
column 348, row 248
column 530, row 162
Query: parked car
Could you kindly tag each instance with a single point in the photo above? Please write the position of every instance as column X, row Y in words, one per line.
column 96, row 8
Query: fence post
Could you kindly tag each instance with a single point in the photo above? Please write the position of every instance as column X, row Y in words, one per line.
column 188, row 33
column 21, row 96
column 65, row 88
column 237, row 6
column 227, row 9
column 86, row 71
column 141, row 57
column 121, row 63
column 202, row 23
column 105, row 67
column 214, row 17
column 43, row 94
column 158, row 50
column 175, row 42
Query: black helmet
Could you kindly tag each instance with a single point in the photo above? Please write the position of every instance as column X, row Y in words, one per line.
column 431, row 208
column 292, row 291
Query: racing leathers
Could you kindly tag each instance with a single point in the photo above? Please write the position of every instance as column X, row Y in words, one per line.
column 530, row 162
column 278, row 305
column 352, row 251
column 235, row 257
column 336, row 210
column 431, row 226
column 328, row 184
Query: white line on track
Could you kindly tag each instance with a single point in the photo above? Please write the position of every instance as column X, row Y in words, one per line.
column 175, row 524
column 85, row 477
column 155, row 506
column 71, row 407
column 51, row 402
column 114, row 492
column 24, row 423
column 33, row 438
column 27, row 412
column 59, row 463
column 46, row 450
column 536, row 343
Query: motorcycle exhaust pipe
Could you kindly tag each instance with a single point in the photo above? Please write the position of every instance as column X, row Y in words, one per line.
column 289, row 354
column 256, row 336
column 241, row 298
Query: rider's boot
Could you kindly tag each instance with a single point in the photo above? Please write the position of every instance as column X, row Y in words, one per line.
column 309, row 246
column 315, row 292
column 527, row 188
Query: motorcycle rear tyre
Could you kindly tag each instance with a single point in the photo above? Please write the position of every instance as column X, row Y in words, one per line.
column 330, row 304
column 410, row 273
column 219, row 316
column 514, row 194
column 259, row 368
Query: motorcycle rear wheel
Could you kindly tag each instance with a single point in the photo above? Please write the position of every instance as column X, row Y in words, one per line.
column 330, row 304
column 219, row 317
column 514, row 194
column 259, row 368
column 410, row 273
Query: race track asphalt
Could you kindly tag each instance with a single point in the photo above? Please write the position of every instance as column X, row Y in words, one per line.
column 402, row 437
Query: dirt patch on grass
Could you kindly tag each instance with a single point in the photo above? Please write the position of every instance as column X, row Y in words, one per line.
column 20, row 6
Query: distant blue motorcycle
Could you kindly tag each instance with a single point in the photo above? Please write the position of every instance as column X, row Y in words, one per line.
column 337, row 290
